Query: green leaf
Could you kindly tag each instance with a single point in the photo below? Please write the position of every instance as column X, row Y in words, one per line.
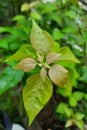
column 70, row 81
column 78, row 95
column 5, row 29
column 35, row 15
column 67, row 55
column 47, row 7
column 56, row 47
column 57, row 34
column 26, row 64
column 68, row 112
column 79, row 116
column 9, row 78
column 85, row 96
column 25, row 7
column 64, row 109
column 61, row 108
column 58, row 75
column 84, row 74
column 72, row 102
column 41, row 40
column 61, row 91
column 36, row 94
column 79, row 124
column 26, row 51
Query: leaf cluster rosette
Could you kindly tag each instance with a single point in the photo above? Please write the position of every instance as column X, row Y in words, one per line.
column 43, row 53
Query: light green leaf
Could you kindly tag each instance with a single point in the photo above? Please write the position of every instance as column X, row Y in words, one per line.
column 57, row 34
column 26, row 51
column 5, row 29
column 61, row 108
column 9, row 78
column 64, row 109
column 61, row 91
column 79, row 124
column 25, row 7
column 56, row 47
column 26, row 64
column 72, row 102
column 58, row 75
column 79, row 116
column 35, row 15
column 68, row 112
column 85, row 96
column 36, row 94
column 67, row 55
column 18, row 18
column 41, row 40
column 70, row 81
column 78, row 95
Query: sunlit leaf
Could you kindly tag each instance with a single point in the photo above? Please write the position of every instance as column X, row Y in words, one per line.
column 52, row 57
column 79, row 124
column 58, row 75
column 27, row 7
column 69, row 123
column 24, row 52
column 57, row 34
column 36, row 94
column 26, row 64
column 35, row 15
column 70, row 81
column 67, row 55
column 79, row 116
column 78, row 95
column 72, row 102
column 68, row 111
column 61, row 108
column 41, row 40
column 56, row 47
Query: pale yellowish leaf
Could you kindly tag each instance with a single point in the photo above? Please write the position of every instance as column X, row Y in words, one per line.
column 41, row 40
column 52, row 57
column 36, row 94
column 26, row 64
column 58, row 75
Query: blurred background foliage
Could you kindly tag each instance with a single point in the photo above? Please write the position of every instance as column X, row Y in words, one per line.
column 66, row 21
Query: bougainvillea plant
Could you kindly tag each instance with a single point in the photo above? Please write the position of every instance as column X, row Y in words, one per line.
column 55, row 66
